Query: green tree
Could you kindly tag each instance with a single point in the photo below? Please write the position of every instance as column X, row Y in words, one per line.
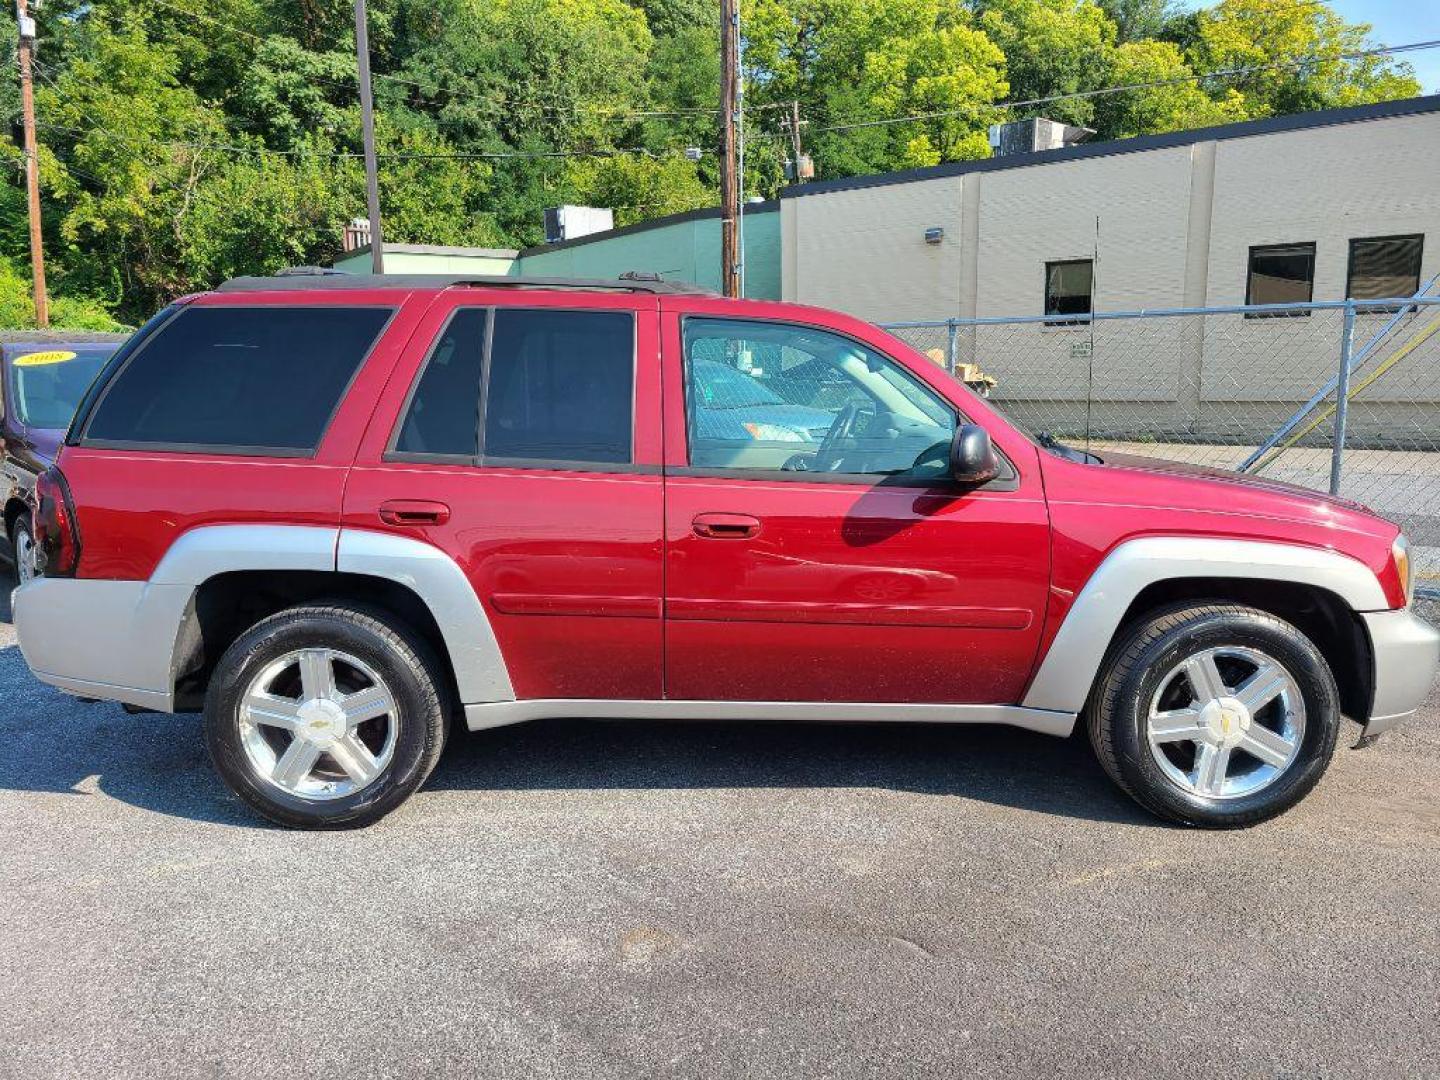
column 1052, row 47
column 1271, row 33
column 849, row 62
column 1174, row 101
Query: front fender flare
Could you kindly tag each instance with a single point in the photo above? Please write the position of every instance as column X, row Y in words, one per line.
column 1068, row 672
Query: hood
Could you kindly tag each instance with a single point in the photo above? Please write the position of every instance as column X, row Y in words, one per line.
column 45, row 443
column 37, row 448
column 1176, row 497
column 1250, row 481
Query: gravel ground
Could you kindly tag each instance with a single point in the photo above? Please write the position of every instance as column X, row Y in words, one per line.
column 605, row 900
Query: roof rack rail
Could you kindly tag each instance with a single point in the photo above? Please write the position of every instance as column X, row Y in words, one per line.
column 322, row 278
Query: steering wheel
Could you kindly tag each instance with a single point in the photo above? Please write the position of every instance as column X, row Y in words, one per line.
column 827, row 459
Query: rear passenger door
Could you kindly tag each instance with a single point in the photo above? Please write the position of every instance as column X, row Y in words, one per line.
column 521, row 437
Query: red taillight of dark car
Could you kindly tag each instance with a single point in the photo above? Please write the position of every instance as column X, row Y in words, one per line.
column 57, row 539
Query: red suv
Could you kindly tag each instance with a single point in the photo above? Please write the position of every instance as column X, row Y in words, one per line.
column 335, row 511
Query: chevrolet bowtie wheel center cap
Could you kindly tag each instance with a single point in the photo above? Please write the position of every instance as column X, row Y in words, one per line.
column 322, row 722
column 1226, row 720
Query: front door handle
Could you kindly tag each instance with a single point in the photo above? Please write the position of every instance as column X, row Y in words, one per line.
column 414, row 512
column 726, row 526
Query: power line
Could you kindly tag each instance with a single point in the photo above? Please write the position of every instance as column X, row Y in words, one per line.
column 1387, row 50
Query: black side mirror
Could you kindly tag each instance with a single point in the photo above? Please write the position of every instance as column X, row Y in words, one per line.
column 972, row 458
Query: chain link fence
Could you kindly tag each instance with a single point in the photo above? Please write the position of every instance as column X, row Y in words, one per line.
column 1341, row 396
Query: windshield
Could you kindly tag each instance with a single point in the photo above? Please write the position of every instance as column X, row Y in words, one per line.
column 47, row 383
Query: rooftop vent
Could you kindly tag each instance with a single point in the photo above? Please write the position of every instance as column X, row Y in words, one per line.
column 568, row 222
column 1033, row 135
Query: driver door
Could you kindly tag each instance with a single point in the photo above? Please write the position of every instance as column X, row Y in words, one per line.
column 816, row 549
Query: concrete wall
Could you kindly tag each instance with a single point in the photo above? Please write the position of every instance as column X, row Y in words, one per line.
column 687, row 250
column 1326, row 186
column 864, row 250
column 1172, row 225
column 1169, row 226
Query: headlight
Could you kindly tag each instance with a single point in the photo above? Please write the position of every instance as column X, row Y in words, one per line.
column 773, row 433
column 1400, row 552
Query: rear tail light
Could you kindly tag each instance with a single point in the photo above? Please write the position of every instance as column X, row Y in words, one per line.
column 57, row 539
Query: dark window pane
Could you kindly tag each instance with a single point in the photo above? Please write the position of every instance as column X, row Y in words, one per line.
column 1068, row 287
column 244, row 378
column 1281, row 274
column 561, row 385
column 444, row 415
column 1384, row 267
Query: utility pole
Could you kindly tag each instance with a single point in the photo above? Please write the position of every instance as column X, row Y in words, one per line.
column 795, row 150
column 32, row 163
column 729, row 174
column 367, row 126
column 800, row 168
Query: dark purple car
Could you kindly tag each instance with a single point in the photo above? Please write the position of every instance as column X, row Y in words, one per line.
column 42, row 379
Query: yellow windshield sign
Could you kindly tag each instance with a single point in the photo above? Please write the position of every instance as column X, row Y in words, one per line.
column 40, row 359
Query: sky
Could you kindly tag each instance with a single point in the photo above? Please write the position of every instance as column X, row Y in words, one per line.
column 1399, row 22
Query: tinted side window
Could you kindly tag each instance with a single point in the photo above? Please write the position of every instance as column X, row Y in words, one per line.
column 444, row 414
column 245, row 378
column 560, row 385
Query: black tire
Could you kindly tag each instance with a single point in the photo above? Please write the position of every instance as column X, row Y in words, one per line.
column 392, row 651
column 1137, row 666
column 22, row 538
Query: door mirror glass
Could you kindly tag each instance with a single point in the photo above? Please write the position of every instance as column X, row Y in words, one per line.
column 972, row 458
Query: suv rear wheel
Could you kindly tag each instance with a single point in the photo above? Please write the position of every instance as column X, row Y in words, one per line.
column 1217, row 715
column 324, row 717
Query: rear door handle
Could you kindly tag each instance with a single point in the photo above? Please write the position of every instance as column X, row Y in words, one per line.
column 414, row 512
column 726, row 526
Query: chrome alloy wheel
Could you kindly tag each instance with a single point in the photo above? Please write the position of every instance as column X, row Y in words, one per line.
column 318, row 724
column 25, row 570
column 1226, row 722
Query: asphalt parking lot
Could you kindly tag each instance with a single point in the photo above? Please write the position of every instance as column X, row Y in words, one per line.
column 606, row 900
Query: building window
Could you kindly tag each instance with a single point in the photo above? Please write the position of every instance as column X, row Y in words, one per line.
column 1280, row 274
column 1382, row 267
column 1068, row 289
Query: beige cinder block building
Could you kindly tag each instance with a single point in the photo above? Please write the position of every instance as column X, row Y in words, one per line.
column 1312, row 206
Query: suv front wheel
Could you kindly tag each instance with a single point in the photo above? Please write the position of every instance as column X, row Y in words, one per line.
column 1216, row 715
column 324, row 717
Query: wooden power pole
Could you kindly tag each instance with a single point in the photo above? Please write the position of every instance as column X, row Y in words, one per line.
column 367, row 129
column 32, row 163
column 729, row 174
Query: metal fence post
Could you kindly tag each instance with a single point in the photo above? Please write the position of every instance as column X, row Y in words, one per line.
column 1342, row 398
column 952, row 345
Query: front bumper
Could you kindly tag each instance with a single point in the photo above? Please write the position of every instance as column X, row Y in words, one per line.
column 1407, row 652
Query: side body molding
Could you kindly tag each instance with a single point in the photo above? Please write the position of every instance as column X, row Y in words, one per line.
column 1068, row 671
column 480, row 672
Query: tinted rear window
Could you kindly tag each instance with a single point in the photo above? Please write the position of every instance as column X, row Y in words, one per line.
column 444, row 416
column 561, row 386
column 256, row 378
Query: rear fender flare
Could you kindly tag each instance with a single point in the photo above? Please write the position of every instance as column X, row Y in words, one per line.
column 205, row 552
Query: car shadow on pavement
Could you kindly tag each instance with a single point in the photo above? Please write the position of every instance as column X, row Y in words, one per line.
column 987, row 764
